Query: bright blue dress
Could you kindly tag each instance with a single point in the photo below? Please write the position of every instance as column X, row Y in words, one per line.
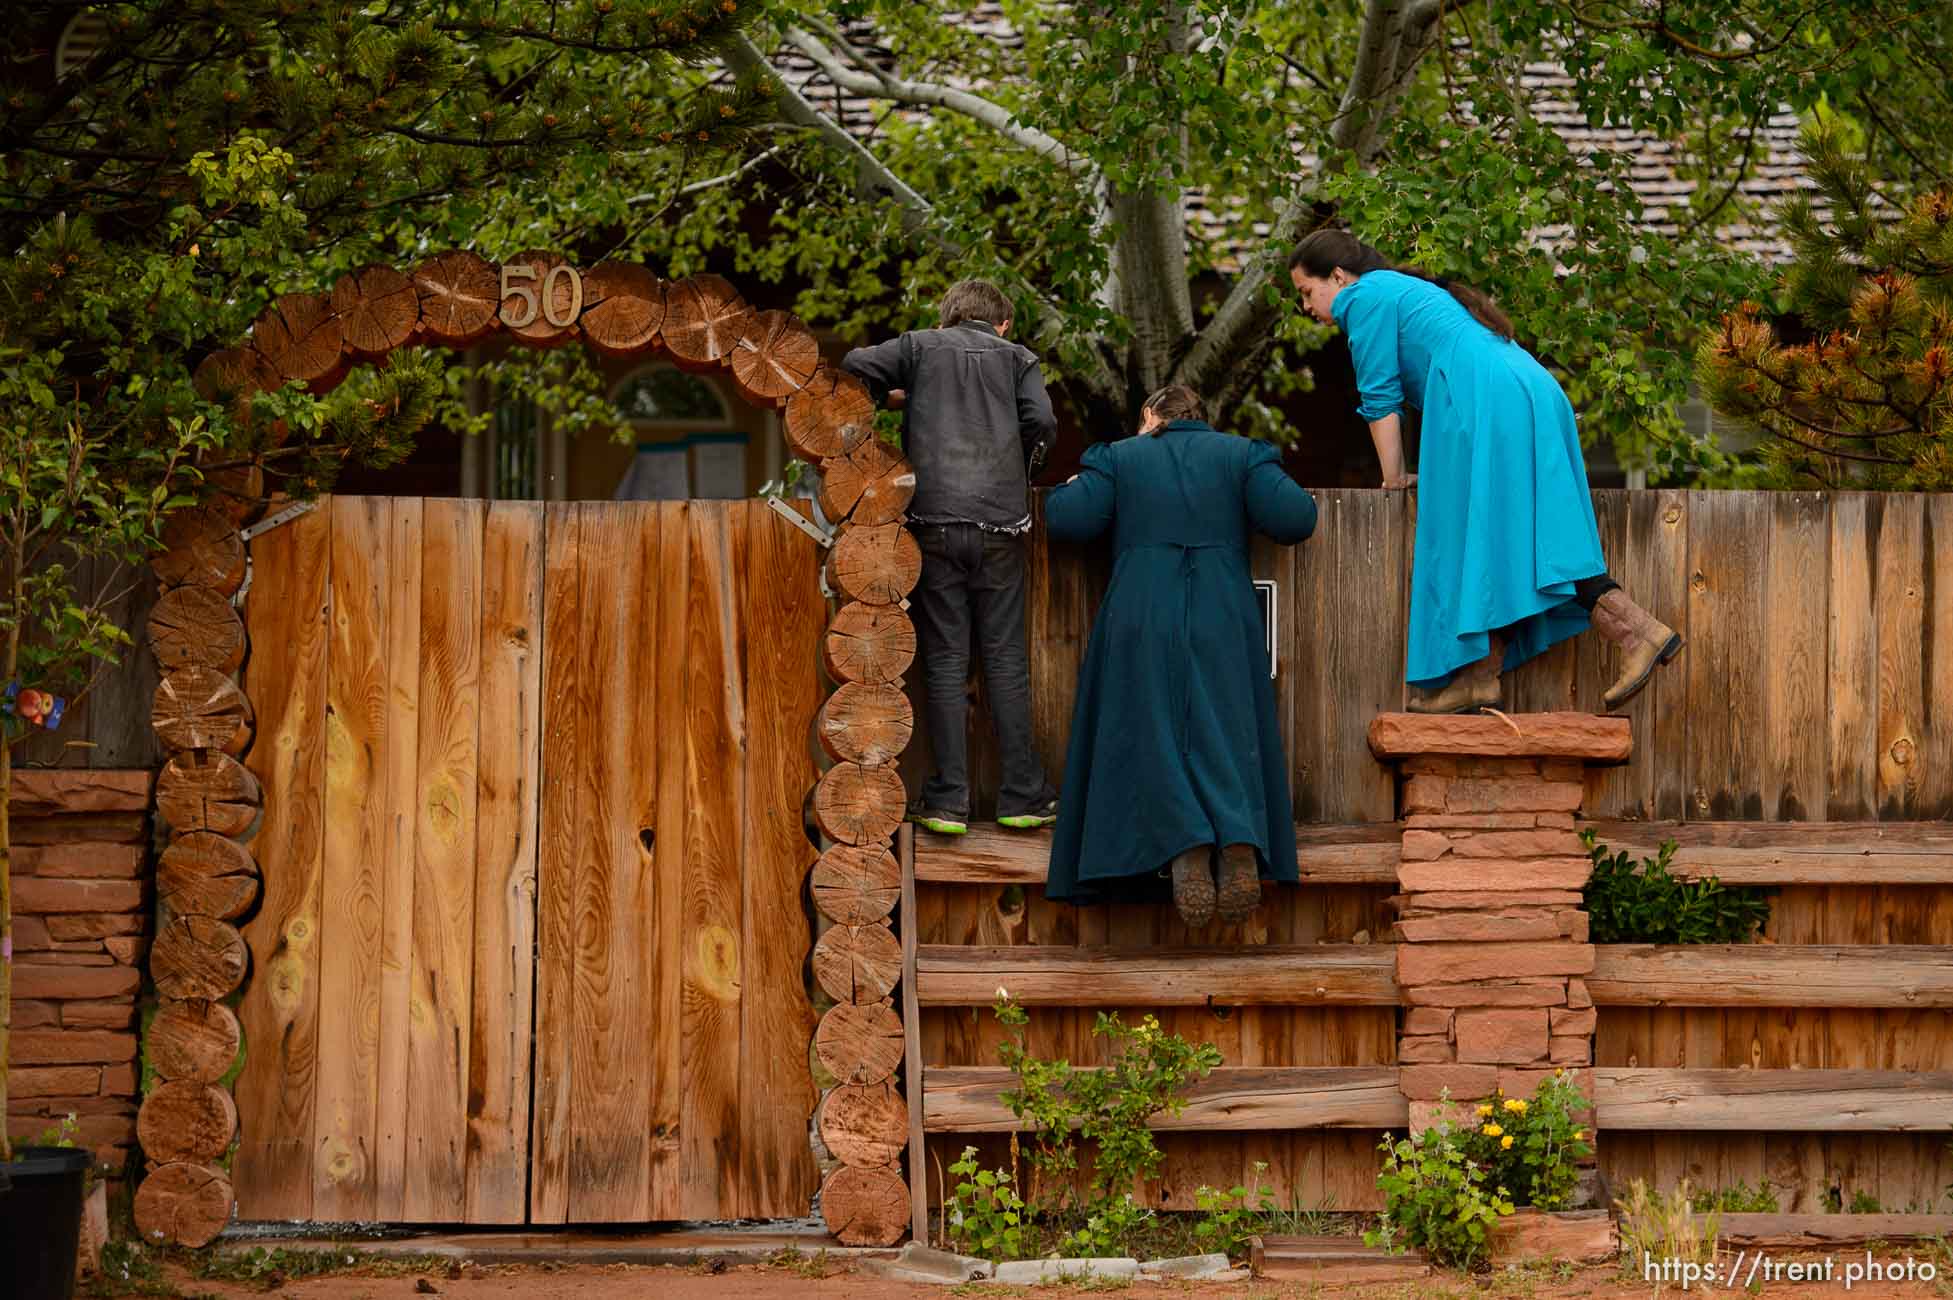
column 1505, row 520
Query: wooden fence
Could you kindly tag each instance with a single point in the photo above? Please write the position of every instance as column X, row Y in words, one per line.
column 533, row 931
column 1816, row 687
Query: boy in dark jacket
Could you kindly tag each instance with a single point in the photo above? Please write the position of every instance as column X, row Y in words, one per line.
column 976, row 423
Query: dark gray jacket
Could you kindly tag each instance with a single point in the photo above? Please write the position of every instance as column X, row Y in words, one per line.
column 976, row 423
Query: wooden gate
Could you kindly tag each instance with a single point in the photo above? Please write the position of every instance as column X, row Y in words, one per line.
column 532, row 933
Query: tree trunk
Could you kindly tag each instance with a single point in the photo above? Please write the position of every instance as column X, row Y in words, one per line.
column 378, row 309
column 201, row 708
column 865, row 1206
column 623, row 308
column 866, row 724
column 774, row 358
column 875, row 565
column 459, row 296
column 208, row 791
column 204, row 874
column 859, row 1044
column 859, row 805
column 183, row 1120
column 869, row 643
column 193, row 1038
column 184, row 1205
column 873, row 484
column 865, row 1125
column 830, row 416
column 858, row 963
column 301, row 338
column 201, row 548
column 704, row 319
column 198, row 957
column 857, row 885
column 195, row 627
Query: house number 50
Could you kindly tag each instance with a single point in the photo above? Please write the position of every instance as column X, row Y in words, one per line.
column 518, row 282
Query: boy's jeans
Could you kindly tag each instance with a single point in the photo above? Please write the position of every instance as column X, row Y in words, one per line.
column 970, row 576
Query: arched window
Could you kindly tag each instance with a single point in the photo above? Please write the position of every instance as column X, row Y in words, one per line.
column 687, row 444
column 666, row 395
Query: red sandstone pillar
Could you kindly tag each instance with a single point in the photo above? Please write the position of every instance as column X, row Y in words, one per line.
column 1492, row 942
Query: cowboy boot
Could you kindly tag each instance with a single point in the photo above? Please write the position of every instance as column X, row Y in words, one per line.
column 1645, row 642
column 1193, row 886
column 1240, row 883
column 1475, row 687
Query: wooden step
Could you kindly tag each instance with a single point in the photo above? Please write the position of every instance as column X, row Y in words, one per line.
column 1366, row 853
column 1331, row 1260
column 969, row 1099
column 957, row 975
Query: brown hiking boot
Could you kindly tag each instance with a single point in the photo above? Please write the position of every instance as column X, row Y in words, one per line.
column 1475, row 687
column 1193, row 886
column 1645, row 642
column 1240, row 884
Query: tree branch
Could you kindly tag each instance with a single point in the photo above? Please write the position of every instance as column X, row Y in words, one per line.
column 874, row 180
column 877, row 84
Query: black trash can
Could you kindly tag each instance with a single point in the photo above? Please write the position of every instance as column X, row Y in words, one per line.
column 40, row 1215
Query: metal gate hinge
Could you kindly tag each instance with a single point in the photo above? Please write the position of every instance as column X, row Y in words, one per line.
column 284, row 516
column 820, row 535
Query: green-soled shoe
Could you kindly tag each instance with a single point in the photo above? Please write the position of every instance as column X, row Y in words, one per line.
column 939, row 823
column 1034, row 820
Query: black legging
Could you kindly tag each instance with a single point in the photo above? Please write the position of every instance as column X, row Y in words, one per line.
column 1588, row 591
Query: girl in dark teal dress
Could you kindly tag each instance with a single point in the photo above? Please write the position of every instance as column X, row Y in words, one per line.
column 1508, row 556
column 1176, row 765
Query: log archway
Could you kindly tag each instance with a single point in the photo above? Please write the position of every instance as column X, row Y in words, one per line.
column 211, row 803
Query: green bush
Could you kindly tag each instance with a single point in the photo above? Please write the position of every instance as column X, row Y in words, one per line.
column 1630, row 902
column 985, row 1217
column 1443, row 1189
column 1437, row 1198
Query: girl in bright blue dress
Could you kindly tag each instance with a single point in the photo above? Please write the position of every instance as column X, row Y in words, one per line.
column 1508, row 558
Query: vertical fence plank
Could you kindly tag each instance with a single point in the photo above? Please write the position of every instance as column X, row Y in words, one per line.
column 1661, row 520
column 444, row 860
column 560, row 833
column 782, row 617
column 715, row 741
column 1901, row 609
column 1853, row 768
column 401, row 765
column 1623, row 790
column 1935, row 751
column 503, row 1011
column 670, row 864
column 1796, row 602
column 1314, row 568
column 286, row 621
column 1727, row 533
column 616, row 925
column 358, row 734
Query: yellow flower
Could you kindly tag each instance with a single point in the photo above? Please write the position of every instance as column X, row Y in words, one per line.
column 1580, row 1135
column 1491, row 1130
column 1484, row 1111
column 1505, row 1144
column 1516, row 1106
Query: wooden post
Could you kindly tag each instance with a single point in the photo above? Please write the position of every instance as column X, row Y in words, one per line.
column 912, row 1045
column 205, row 796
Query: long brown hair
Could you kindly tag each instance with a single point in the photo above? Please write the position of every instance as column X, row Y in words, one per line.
column 1325, row 251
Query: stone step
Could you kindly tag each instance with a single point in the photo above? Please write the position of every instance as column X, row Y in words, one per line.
column 1324, row 1259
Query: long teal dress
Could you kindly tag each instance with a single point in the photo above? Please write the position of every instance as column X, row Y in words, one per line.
column 1505, row 520
column 1174, row 741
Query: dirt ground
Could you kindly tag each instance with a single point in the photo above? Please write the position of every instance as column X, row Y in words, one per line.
column 824, row 1279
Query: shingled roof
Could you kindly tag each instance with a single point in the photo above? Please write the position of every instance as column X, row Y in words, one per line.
column 1775, row 172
